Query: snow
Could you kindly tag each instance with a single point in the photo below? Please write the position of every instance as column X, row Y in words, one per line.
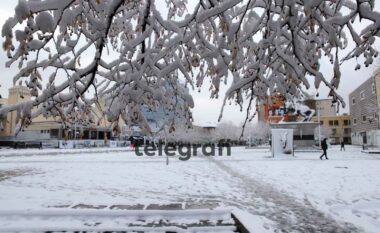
column 45, row 22
column 74, row 219
column 22, row 11
column 291, row 193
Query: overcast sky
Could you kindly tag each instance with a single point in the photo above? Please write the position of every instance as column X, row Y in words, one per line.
column 206, row 109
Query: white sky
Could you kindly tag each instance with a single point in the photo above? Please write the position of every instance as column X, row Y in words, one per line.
column 206, row 109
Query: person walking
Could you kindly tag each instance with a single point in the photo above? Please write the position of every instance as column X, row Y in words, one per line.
column 342, row 146
column 324, row 148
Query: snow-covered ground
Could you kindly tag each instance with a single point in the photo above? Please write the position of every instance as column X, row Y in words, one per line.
column 297, row 194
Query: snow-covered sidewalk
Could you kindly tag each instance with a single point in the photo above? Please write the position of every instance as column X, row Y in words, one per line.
column 297, row 194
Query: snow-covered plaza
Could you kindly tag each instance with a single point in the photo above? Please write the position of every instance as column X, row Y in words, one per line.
column 295, row 194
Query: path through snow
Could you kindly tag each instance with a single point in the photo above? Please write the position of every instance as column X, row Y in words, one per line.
column 289, row 214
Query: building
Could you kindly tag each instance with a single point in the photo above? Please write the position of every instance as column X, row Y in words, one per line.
column 325, row 107
column 364, row 104
column 271, row 109
column 41, row 128
column 333, row 126
column 278, row 113
column 336, row 128
column 17, row 94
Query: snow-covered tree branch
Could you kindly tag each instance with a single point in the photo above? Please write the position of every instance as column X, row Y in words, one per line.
column 128, row 53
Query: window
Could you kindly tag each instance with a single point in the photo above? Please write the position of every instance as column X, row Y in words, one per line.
column 347, row 131
column 354, row 121
column 346, row 122
column 364, row 118
column 54, row 133
column 362, row 95
column 333, row 131
column 336, row 122
column 373, row 88
column 331, row 123
column 321, row 122
column 353, row 101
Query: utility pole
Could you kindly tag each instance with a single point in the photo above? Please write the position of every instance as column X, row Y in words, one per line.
column 319, row 126
column 75, row 128
column 250, row 137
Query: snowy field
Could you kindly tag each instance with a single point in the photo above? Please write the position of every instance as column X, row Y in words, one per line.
column 300, row 194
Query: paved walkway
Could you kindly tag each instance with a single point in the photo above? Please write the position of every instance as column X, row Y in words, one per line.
column 289, row 214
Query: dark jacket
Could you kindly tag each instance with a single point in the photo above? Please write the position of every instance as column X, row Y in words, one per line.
column 324, row 145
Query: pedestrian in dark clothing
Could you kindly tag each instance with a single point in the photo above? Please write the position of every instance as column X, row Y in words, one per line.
column 342, row 146
column 324, row 148
column 40, row 145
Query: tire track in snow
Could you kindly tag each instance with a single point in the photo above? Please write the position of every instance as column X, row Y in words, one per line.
column 289, row 214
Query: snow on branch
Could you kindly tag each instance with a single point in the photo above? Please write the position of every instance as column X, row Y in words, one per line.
column 132, row 57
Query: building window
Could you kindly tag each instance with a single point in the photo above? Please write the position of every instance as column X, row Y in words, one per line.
column 364, row 118
column 54, row 133
column 331, row 123
column 347, row 131
column 321, row 122
column 354, row 121
column 336, row 122
column 346, row 122
column 373, row 88
column 362, row 95
column 333, row 131
column 353, row 101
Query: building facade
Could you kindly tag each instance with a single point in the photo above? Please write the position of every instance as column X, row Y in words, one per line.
column 325, row 107
column 364, row 104
column 17, row 94
column 41, row 128
column 271, row 109
column 336, row 128
column 323, row 111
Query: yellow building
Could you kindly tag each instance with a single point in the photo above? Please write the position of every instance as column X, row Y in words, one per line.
column 42, row 128
column 17, row 94
column 336, row 128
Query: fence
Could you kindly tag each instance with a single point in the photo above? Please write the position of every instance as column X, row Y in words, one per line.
column 91, row 143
